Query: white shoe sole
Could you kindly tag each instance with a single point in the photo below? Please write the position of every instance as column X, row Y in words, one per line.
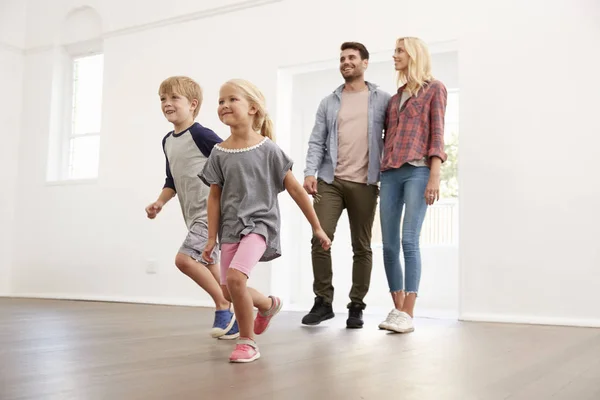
column 229, row 337
column 398, row 330
column 218, row 332
column 246, row 360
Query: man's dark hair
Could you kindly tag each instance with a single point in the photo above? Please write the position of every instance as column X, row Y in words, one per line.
column 364, row 53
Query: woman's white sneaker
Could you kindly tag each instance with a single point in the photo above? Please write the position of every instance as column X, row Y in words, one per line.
column 401, row 323
column 390, row 318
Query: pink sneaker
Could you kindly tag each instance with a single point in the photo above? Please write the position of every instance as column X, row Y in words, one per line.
column 262, row 321
column 245, row 351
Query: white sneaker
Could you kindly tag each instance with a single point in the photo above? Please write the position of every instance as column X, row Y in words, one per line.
column 390, row 318
column 401, row 323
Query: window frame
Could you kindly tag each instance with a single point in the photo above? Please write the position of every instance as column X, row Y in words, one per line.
column 64, row 158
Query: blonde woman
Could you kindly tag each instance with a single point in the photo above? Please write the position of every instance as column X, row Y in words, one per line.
column 245, row 174
column 410, row 179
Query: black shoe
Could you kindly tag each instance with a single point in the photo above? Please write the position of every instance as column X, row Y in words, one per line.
column 355, row 316
column 320, row 312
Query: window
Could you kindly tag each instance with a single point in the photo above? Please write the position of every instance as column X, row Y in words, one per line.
column 82, row 146
column 441, row 221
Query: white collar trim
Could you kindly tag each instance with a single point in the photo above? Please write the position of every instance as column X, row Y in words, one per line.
column 242, row 150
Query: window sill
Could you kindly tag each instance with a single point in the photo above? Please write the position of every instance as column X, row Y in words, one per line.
column 72, row 182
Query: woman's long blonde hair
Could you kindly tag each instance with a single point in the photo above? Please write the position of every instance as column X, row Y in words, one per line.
column 262, row 122
column 419, row 65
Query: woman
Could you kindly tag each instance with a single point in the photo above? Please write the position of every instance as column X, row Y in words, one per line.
column 410, row 179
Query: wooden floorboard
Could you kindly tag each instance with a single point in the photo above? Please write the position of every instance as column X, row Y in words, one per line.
column 65, row 350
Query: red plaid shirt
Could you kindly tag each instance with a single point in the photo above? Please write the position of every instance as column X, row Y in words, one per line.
column 417, row 131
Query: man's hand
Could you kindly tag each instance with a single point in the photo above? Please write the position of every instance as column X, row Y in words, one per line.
column 310, row 185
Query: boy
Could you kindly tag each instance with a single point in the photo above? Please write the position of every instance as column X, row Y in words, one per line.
column 186, row 149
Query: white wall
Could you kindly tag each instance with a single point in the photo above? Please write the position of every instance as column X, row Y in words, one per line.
column 529, row 195
column 528, row 104
column 12, row 35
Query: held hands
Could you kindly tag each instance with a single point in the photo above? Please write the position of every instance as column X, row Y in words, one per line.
column 310, row 185
column 432, row 191
column 153, row 209
column 323, row 238
column 208, row 249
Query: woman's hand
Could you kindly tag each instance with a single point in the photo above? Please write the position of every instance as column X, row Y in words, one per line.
column 432, row 191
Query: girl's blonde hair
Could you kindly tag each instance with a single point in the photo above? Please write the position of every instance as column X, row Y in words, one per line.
column 262, row 122
column 418, row 73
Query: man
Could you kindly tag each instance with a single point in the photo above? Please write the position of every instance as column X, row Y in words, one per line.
column 344, row 151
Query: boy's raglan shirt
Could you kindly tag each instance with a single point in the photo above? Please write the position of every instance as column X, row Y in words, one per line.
column 186, row 153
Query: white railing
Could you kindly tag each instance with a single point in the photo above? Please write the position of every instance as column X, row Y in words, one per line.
column 441, row 224
column 439, row 228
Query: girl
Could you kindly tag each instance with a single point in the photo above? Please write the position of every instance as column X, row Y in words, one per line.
column 245, row 173
column 412, row 155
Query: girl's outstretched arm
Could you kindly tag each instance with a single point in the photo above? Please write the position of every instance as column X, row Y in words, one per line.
column 301, row 198
column 214, row 216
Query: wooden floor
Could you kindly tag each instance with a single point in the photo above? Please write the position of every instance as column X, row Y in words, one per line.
column 87, row 351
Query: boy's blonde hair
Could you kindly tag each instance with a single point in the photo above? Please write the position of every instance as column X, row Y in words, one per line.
column 419, row 65
column 184, row 86
column 262, row 122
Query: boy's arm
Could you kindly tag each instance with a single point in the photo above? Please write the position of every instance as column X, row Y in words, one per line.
column 167, row 194
column 168, row 191
column 153, row 209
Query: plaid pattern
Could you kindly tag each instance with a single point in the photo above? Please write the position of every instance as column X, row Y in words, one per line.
column 418, row 130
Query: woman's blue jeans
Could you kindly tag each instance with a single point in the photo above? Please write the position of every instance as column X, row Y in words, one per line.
column 403, row 189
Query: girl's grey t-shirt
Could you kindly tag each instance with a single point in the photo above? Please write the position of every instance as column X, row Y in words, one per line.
column 250, row 180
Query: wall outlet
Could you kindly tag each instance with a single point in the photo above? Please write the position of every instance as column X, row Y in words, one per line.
column 151, row 267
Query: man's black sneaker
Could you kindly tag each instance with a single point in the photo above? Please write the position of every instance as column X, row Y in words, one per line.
column 355, row 316
column 320, row 312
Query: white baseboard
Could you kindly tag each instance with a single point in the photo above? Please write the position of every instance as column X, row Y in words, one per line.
column 424, row 313
column 379, row 311
column 116, row 299
column 11, row 48
column 530, row 320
